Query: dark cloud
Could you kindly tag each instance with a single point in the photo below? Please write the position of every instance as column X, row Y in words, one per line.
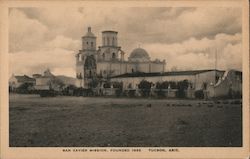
column 161, row 29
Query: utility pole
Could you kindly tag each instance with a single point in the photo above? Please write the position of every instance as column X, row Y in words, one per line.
column 215, row 68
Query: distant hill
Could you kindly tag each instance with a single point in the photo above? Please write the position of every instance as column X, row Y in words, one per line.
column 67, row 80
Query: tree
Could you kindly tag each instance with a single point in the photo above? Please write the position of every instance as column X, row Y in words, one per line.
column 160, row 87
column 173, row 85
column 56, row 82
column 163, row 85
column 93, row 83
column 145, row 88
column 118, row 86
column 25, row 88
column 182, row 86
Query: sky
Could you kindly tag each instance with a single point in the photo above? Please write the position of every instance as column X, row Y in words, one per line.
column 187, row 38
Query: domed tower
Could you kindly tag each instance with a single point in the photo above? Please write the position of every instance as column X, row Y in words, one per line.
column 89, row 43
column 139, row 55
column 140, row 62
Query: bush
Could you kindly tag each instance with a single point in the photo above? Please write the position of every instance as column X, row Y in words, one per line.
column 199, row 94
column 117, row 85
column 163, row 85
column 25, row 88
column 173, row 85
column 145, row 87
column 182, row 86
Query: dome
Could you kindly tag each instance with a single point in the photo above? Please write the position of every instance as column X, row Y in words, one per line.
column 139, row 54
column 89, row 33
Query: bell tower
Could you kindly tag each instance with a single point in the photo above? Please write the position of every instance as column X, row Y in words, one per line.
column 88, row 50
column 109, row 49
column 89, row 43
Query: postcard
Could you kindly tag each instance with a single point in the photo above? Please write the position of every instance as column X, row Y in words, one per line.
column 124, row 79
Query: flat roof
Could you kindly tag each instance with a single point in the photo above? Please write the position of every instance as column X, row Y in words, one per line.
column 172, row 73
column 109, row 31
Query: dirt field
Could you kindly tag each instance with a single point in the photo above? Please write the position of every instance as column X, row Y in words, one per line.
column 114, row 122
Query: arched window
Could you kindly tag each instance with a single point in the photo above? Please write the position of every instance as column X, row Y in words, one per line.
column 113, row 55
column 108, row 41
column 113, row 41
column 204, row 86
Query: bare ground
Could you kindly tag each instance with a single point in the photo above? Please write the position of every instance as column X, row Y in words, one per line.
column 118, row 122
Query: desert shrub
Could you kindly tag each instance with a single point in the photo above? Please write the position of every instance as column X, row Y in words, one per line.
column 199, row 94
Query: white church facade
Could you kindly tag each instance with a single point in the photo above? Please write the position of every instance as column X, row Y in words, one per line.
column 108, row 60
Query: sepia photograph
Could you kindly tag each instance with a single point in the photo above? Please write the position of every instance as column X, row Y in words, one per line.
column 126, row 76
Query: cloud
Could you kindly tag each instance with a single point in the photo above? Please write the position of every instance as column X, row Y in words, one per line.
column 185, row 36
column 197, row 23
column 60, row 61
column 25, row 34
column 200, row 54
column 164, row 23
column 64, row 43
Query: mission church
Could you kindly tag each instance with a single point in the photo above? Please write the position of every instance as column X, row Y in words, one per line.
column 108, row 60
column 103, row 67
column 107, row 63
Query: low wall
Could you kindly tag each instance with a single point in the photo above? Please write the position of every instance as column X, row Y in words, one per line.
column 229, row 83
